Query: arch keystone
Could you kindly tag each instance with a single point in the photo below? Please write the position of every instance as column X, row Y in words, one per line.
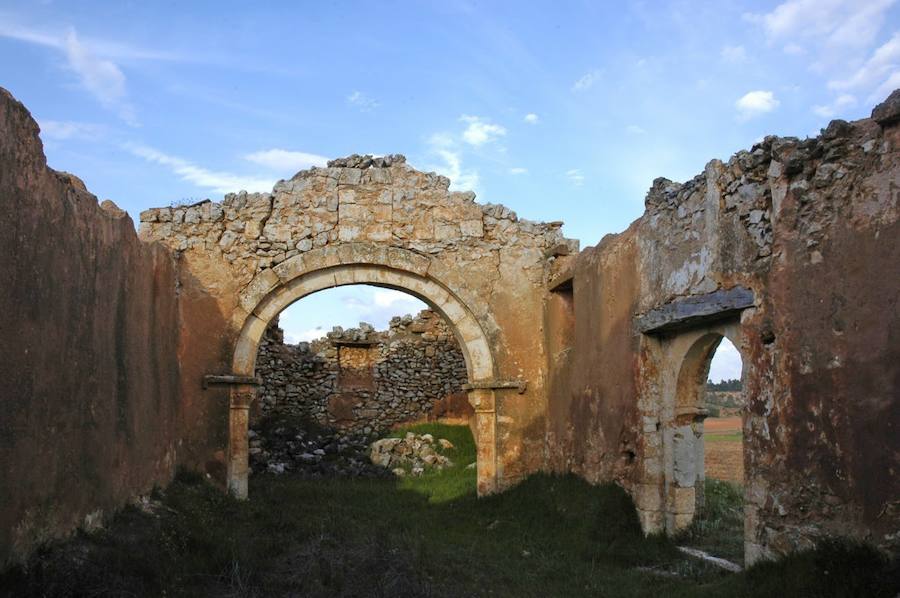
column 402, row 259
column 258, row 288
column 291, row 268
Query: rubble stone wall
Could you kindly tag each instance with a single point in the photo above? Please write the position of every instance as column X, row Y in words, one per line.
column 811, row 228
column 360, row 381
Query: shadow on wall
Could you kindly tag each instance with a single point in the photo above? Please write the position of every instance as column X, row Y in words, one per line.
column 94, row 343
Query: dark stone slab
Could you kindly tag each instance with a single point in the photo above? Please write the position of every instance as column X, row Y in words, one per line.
column 695, row 311
column 230, row 380
column 888, row 111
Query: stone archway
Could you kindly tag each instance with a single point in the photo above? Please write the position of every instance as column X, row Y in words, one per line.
column 684, row 360
column 374, row 220
column 684, row 492
column 358, row 263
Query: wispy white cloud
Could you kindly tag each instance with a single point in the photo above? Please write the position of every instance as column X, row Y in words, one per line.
column 311, row 334
column 518, row 170
column 833, row 109
column 56, row 39
column 575, row 177
column 532, row 119
column 461, row 179
column 362, row 101
column 842, row 23
column 390, row 298
column 378, row 306
column 755, row 103
column 480, row 131
column 286, row 161
column 220, row 182
column 101, row 77
column 733, row 54
column 635, row 130
column 839, row 37
column 96, row 63
column 58, row 130
column 879, row 75
column 587, row 80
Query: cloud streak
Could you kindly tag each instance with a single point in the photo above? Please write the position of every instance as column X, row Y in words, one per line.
column 575, row 177
column 102, row 78
column 217, row 181
column 362, row 101
column 587, row 80
column 57, row 130
column 286, row 161
column 92, row 63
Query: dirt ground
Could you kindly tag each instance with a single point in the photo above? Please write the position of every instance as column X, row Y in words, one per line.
column 724, row 458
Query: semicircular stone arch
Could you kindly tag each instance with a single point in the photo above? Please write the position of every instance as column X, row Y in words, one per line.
column 685, row 360
column 357, row 263
column 271, row 291
column 372, row 220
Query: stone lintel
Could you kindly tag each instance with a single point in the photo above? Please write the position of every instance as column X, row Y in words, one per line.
column 519, row 385
column 230, row 380
column 695, row 311
column 562, row 283
column 562, row 277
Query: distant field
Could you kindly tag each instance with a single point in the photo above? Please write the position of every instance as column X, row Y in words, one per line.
column 724, row 458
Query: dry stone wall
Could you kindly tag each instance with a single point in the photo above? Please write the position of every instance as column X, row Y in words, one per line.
column 360, row 381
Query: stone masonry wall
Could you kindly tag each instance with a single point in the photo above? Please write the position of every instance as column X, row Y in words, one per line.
column 363, row 381
column 811, row 228
column 379, row 210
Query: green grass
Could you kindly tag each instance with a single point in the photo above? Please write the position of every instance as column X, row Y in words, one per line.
column 719, row 528
column 550, row 536
column 453, row 482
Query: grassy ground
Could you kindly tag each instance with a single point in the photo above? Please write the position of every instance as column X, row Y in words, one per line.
column 453, row 482
column 719, row 528
column 550, row 536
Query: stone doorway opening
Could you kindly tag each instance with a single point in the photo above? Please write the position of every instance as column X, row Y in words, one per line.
column 707, row 494
column 345, row 366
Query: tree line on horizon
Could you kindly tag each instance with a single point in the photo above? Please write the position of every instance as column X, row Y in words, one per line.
column 724, row 385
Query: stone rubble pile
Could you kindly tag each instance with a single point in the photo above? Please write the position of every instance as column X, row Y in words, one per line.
column 413, row 454
column 367, row 161
column 310, row 454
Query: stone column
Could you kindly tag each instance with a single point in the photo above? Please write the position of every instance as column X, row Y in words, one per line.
column 484, row 401
column 687, row 458
column 242, row 396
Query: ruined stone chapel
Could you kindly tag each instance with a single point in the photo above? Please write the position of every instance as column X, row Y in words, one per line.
column 127, row 355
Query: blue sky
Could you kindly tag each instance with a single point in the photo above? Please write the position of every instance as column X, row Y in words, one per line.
column 560, row 110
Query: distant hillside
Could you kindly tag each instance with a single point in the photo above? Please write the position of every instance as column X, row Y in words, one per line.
column 724, row 403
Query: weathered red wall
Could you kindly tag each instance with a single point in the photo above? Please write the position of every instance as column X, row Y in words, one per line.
column 88, row 349
column 591, row 412
column 812, row 227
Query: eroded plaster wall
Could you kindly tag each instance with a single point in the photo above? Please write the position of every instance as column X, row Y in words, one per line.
column 88, row 350
column 811, row 227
